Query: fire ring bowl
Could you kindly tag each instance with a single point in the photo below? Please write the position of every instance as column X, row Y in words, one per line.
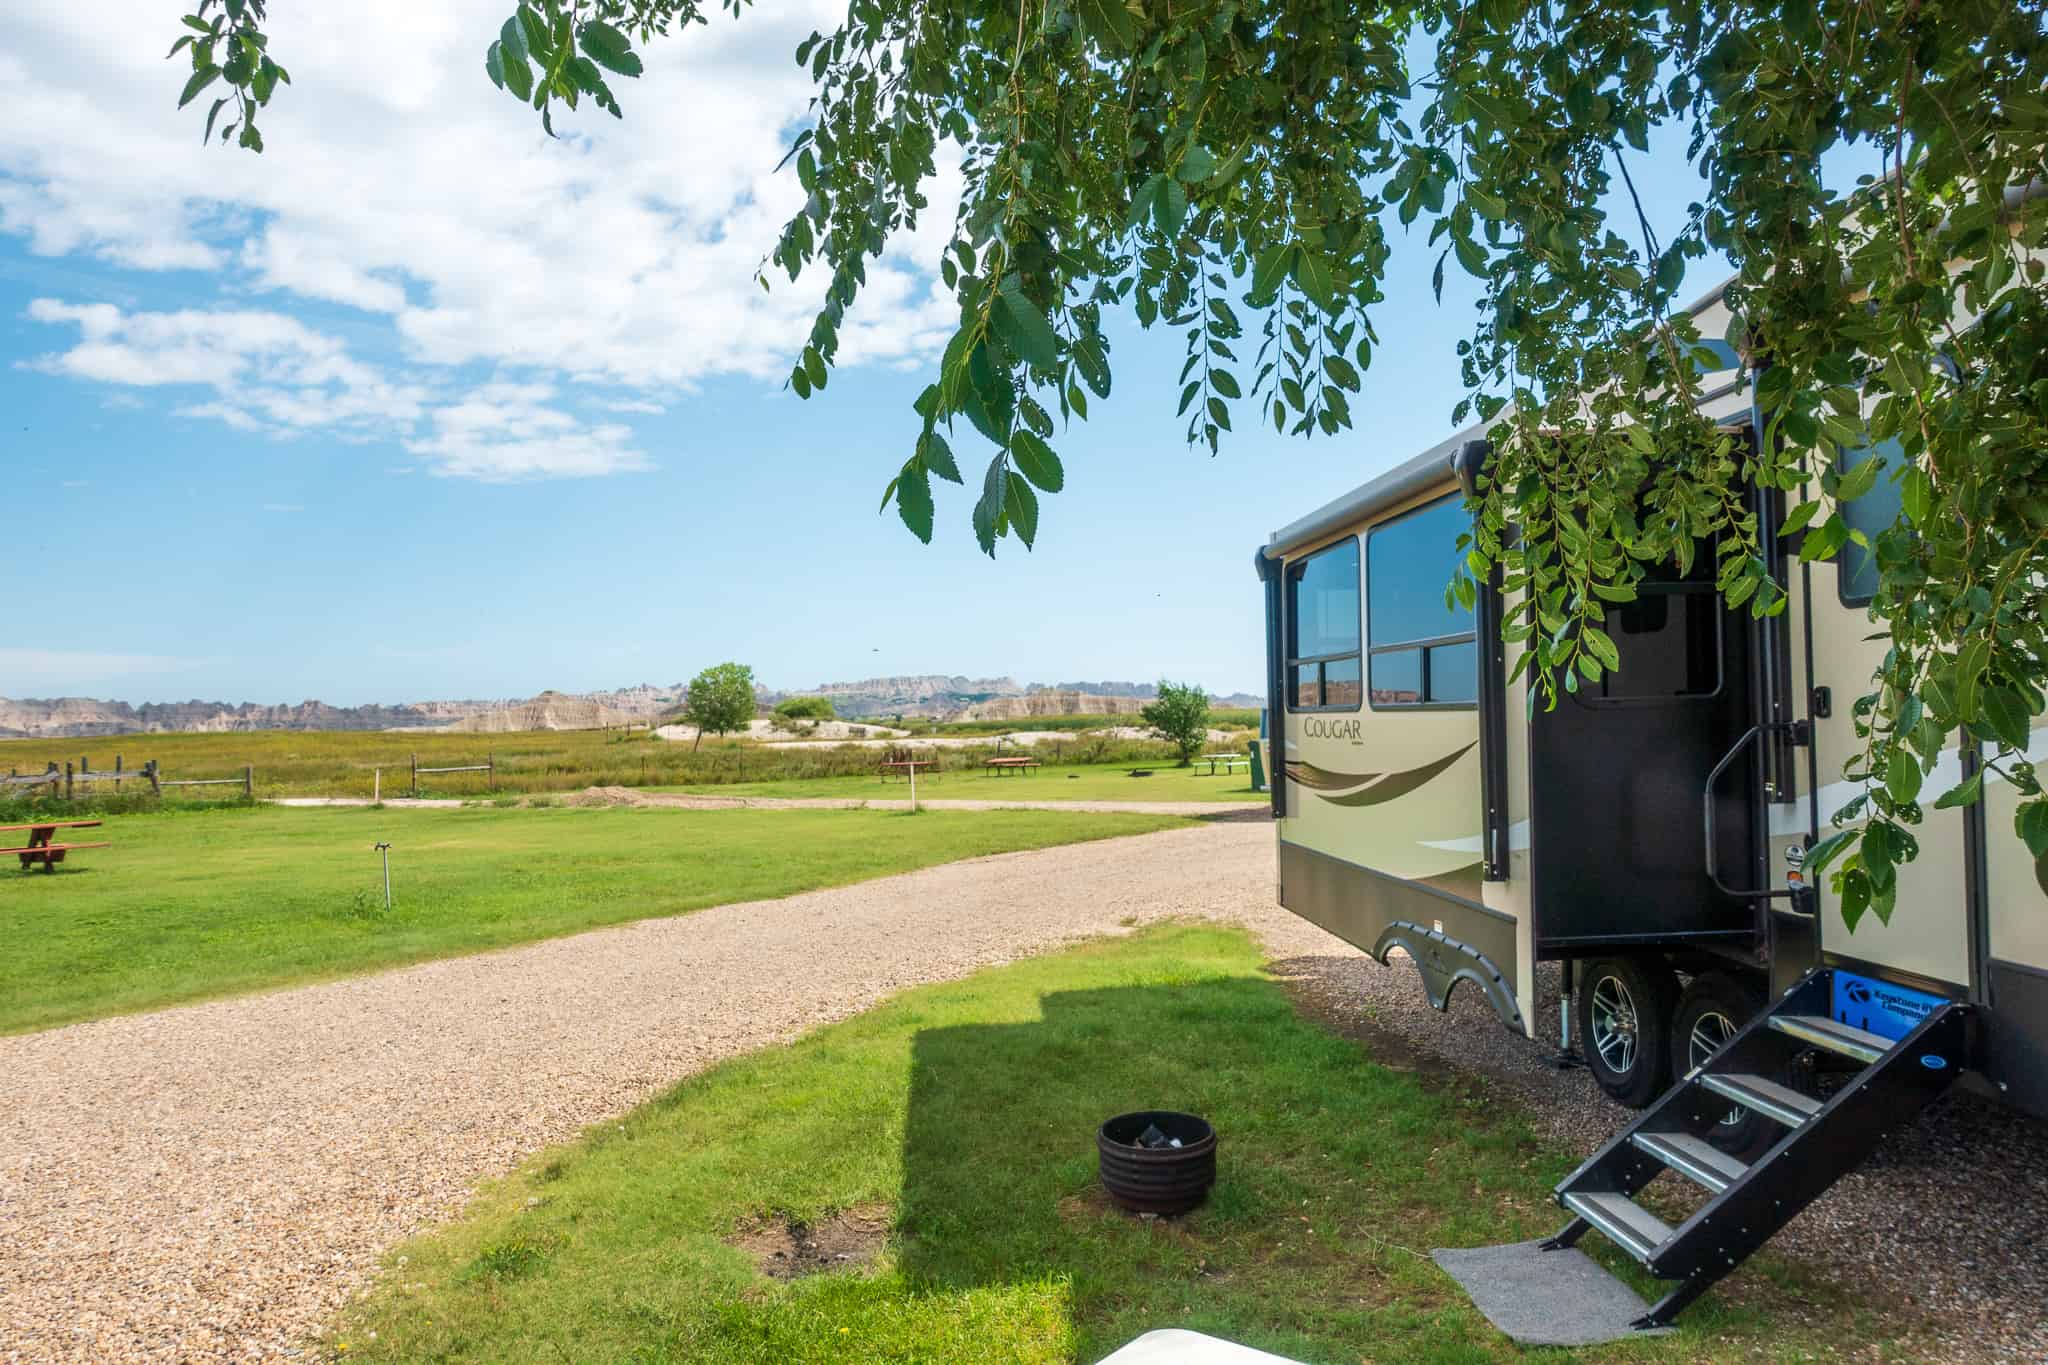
column 1157, row 1179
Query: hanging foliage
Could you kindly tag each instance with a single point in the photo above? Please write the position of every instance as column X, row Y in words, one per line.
column 1230, row 169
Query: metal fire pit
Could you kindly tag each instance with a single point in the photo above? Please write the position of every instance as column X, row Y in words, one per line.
column 1157, row 1179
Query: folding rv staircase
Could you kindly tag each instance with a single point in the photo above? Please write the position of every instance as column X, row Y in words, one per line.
column 1818, row 1142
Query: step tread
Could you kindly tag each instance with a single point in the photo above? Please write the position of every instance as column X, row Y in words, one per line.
column 1764, row 1095
column 1694, row 1158
column 1833, row 1035
column 1634, row 1228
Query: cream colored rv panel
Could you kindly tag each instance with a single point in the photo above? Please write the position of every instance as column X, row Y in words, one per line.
column 2017, row 881
column 1929, row 933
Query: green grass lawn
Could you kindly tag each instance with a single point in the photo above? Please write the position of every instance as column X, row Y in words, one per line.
column 208, row 903
column 960, row 1119
column 1079, row 782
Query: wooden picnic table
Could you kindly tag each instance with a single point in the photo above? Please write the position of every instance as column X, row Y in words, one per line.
column 1020, row 764
column 41, row 847
column 905, row 767
column 1229, row 762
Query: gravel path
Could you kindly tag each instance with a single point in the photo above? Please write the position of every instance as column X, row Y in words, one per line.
column 209, row 1182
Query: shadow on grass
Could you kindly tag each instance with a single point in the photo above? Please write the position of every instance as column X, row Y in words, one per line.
column 1335, row 1176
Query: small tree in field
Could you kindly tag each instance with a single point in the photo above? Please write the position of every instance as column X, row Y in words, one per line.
column 721, row 700
column 1180, row 717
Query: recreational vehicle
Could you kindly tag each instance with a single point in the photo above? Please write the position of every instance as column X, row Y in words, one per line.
column 1647, row 834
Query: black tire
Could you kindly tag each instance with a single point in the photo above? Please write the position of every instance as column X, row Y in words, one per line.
column 1710, row 1010
column 1624, row 1007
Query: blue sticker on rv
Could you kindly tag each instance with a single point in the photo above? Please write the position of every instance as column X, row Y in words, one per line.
column 1934, row 1061
column 1880, row 1007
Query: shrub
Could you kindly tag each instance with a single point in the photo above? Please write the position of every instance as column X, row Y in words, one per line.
column 806, row 708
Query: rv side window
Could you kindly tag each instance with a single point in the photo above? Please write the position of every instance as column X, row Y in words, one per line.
column 1322, row 630
column 1872, row 514
column 1422, row 652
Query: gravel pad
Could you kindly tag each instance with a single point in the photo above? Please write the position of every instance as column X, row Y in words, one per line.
column 1546, row 1298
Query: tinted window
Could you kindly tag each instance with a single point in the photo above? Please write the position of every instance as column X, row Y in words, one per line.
column 1454, row 673
column 1409, row 563
column 1422, row 650
column 1670, row 646
column 1322, row 615
column 1322, row 629
column 1397, row 678
column 1872, row 514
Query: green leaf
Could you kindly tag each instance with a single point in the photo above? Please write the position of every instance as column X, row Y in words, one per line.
column 1855, row 893
column 1198, row 165
column 1602, row 646
column 1826, row 850
column 1036, row 461
column 1026, row 331
column 494, row 65
column 1963, row 793
column 1316, row 279
column 914, row 502
column 989, row 516
column 513, row 38
column 2030, row 822
column 1970, row 662
column 938, row 457
column 2005, row 711
column 1170, row 208
column 1340, row 371
column 608, row 48
column 1108, row 23
column 203, row 77
column 1916, row 496
column 1902, row 777
column 1022, row 505
column 1800, row 514
column 1271, row 270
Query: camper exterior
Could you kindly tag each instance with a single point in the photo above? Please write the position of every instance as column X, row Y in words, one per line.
column 1647, row 833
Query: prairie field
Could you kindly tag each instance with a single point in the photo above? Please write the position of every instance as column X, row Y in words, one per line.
column 342, row 762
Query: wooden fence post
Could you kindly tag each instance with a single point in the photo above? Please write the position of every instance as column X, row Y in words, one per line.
column 117, row 774
column 248, row 782
column 67, row 779
column 415, row 777
column 155, row 782
column 376, row 786
column 491, row 769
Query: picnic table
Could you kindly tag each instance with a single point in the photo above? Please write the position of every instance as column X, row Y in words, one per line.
column 1229, row 762
column 41, row 846
column 1019, row 764
column 905, row 767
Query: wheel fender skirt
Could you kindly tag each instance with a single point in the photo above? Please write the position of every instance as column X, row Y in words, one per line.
column 1444, row 962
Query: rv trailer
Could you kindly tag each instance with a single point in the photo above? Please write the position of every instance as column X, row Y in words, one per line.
column 1647, row 833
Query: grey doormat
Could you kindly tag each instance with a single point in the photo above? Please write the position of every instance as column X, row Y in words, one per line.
column 1546, row 1298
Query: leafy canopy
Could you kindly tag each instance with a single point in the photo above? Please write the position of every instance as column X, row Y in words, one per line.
column 721, row 699
column 1232, row 169
column 1181, row 717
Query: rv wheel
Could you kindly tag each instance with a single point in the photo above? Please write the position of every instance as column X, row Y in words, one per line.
column 1624, row 1009
column 1712, row 1009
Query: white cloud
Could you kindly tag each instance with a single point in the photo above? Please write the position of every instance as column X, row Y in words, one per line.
column 399, row 184
column 504, row 433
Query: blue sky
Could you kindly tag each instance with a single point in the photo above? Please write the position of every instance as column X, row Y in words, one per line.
column 419, row 405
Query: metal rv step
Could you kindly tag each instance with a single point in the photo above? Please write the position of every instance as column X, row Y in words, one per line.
column 1694, row 1158
column 1836, row 1037
column 1626, row 1223
column 1767, row 1097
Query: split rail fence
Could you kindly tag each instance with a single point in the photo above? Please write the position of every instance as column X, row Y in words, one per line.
column 72, row 776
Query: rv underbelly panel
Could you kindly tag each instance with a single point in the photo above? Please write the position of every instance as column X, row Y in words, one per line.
column 1450, row 938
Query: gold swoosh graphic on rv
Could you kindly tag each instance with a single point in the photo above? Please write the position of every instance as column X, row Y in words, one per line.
column 1399, row 784
column 1322, row 779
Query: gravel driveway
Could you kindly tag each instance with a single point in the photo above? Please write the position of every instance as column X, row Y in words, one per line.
column 209, row 1182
